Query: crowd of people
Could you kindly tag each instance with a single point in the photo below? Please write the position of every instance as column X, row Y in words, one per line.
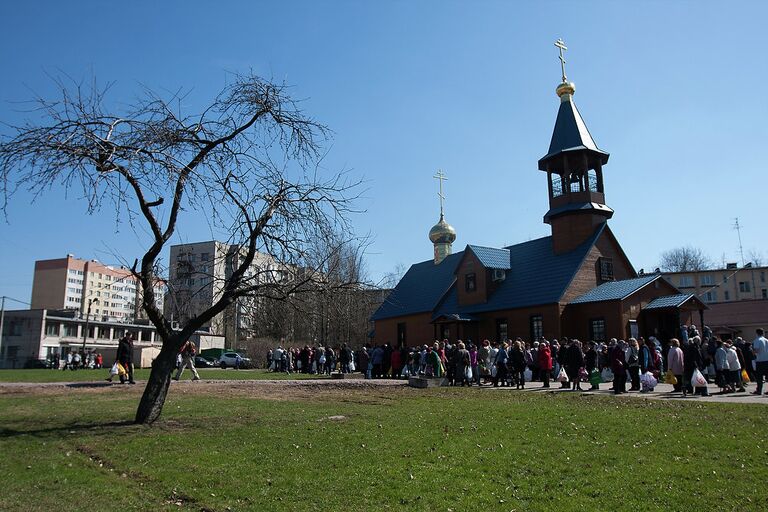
column 689, row 362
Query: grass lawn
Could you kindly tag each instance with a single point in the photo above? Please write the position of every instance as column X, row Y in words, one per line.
column 42, row 375
column 394, row 449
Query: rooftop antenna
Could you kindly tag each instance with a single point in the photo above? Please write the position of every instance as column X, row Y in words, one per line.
column 737, row 227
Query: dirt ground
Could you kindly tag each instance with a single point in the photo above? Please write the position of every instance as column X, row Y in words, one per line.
column 262, row 389
column 368, row 391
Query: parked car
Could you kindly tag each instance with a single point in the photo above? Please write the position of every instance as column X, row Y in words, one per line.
column 202, row 362
column 228, row 359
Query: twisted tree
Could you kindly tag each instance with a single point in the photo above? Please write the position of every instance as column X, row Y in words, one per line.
column 249, row 162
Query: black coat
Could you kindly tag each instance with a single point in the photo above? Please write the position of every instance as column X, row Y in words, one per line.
column 124, row 351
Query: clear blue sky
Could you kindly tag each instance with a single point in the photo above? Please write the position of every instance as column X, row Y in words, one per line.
column 675, row 91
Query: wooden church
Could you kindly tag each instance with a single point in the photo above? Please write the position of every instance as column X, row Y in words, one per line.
column 578, row 282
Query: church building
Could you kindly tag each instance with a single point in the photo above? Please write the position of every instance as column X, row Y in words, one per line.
column 577, row 282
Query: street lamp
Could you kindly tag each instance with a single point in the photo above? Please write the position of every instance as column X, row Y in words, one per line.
column 87, row 319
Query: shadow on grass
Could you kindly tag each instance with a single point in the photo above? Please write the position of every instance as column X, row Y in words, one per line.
column 107, row 427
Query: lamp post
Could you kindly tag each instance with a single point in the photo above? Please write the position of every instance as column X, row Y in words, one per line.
column 87, row 320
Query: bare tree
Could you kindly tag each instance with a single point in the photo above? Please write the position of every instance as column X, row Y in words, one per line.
column 684, row 259
column 757, row 257
column 249, row 162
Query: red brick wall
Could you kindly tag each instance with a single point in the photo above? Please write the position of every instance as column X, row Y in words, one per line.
column 471, row 265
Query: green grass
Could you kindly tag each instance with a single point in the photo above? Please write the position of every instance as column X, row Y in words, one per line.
column 40, row 375
column 397, row 449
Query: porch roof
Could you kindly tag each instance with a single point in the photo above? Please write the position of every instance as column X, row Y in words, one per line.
column 673, row 301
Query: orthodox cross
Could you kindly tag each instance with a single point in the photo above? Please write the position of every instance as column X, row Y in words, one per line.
column 561, row 44
column 440, row 176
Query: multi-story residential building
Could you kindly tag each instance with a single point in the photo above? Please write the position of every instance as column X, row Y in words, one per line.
column 48, row 335
column 737, row 297
column 197, row 273
column 111, row 293
column 732, row 283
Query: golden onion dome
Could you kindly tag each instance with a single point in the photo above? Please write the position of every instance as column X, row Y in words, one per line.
column 442, row 232
column 565, row 88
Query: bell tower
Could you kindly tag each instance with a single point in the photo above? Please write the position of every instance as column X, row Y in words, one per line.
column 574, row 167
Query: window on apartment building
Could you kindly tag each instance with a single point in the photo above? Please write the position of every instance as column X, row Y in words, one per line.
column 710, row 296
column 744, row 287
column 762, row 277
column 707, row 280
column 70, row 330
column 726, row 295
column 470, row 283
column 764, row 293
column 205, row 256
column 686, row 281
column 537, row 327
column 725, row 278
column 606, row 269
column 502, row 333
column 597, row 329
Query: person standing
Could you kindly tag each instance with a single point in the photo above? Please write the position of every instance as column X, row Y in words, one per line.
column 760, row 350
column 734, row 368
column 619, row 368
column 188, row 351
column 463, row 362
column 125, row 357
column 632, row 358
column 676, row 364
column 345, row 356
column 574, row 362
column 517, row 362
column 500, row 361
column 590, row 362
column 545, row 362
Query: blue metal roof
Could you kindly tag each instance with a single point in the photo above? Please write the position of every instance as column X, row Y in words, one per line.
column 420, row 288
column 491, row 257
column 669, row 301
column 536, row 276
column 615, row 290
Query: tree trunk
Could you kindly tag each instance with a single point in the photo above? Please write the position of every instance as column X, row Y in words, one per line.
column 153, row 399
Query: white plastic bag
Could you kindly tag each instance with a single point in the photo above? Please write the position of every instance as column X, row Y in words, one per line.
column 698, row 380
column 528, row 375
column 649, row 380
column 606, row 375
column 468, row 373
column 494, row 371
column 113, row 370
column 562, row 376
column 351, row 366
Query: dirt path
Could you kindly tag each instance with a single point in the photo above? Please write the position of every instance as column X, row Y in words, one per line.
column 376, row 390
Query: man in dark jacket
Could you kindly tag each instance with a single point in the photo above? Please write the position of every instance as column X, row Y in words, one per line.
column 125, row 357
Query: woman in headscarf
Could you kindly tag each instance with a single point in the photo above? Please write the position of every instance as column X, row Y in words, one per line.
column 517, row 362
column 676, row 364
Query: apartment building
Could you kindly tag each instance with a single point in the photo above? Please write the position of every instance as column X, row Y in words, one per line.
column 48, row 335
column 196, row 277
column 111, row 292
column 732, row 283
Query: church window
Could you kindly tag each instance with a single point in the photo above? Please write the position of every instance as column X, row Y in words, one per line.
column 537, row 327
column 470, row 282
column 557, row 185
column 401, row 334
column 501, row 330
column 597, row 329
column 606, row 269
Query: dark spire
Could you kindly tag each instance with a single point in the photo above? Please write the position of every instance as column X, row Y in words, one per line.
column 570, row 135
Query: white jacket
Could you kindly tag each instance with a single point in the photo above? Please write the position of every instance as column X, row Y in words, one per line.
column 733, row 359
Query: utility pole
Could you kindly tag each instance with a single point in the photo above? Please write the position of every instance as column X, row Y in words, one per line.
column 87, row 320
